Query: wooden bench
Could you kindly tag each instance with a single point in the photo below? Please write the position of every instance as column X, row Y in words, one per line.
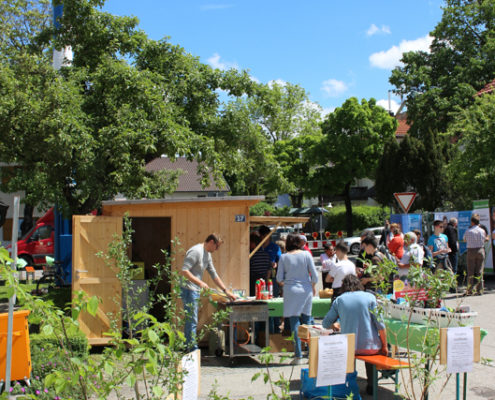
column 384, row 363
column 29, row 273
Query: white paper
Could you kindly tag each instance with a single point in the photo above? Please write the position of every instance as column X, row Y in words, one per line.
column 190, row 366
column 332, row 360
column 460, row 349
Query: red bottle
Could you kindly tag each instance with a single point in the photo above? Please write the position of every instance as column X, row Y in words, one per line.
column 270, row 289
column 257, row 289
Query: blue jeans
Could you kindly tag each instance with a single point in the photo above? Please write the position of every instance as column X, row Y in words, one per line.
column 294, row 324
column 190, row 300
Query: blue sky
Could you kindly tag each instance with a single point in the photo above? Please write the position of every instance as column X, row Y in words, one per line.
column 334, row 49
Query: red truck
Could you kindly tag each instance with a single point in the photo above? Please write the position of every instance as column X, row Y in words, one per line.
column 39, row 241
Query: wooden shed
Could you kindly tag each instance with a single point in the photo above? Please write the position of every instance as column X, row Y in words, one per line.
column 156, row 223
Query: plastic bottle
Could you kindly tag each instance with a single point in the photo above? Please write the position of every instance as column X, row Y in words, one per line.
column 263, row 284
column 257, row 289
column 270, row 289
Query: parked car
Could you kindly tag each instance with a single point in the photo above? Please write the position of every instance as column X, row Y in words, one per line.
column 281, row 233
column 354, row 242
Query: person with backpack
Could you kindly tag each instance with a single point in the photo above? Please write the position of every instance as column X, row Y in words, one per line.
column 427, row 256
column 371, row 257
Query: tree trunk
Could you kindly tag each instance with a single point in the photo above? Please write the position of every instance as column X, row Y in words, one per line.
column 296, row 200
column 27, row 221
column 348, row 209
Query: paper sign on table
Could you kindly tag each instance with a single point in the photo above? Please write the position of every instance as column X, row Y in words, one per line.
column 459, row 349
column 190, row 366
column 332, row 360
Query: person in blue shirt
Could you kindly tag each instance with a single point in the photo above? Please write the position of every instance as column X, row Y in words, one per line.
column 356, row 310
column 274, row 252
column 271, row 248
column 438, row 243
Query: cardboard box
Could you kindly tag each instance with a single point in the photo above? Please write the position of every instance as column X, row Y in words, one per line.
column 277, row 342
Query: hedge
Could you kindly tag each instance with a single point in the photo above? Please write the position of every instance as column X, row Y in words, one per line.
column 362, row 217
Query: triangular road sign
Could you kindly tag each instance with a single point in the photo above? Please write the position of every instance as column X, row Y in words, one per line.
column 405, row 200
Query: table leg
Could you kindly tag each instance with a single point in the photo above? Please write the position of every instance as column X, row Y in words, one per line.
column 231, row 338
column 267, row 333
column 427, row 368
column 457, row 386
column 375, row 383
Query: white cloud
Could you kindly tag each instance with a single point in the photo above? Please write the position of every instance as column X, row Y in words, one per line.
column 373, row 30
column 215, row 62
column 326, row 111
column 333, row 87
column 391, row 58
column 279, row 82
column 394, row 106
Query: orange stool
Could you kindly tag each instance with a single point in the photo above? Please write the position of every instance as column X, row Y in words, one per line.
column 383, row 363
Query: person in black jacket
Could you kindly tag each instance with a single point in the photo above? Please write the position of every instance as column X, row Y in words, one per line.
column 453, row 237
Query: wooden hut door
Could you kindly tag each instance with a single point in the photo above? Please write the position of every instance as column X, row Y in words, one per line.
column 90, row 273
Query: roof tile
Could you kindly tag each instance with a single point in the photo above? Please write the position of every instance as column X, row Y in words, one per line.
column 189, row 181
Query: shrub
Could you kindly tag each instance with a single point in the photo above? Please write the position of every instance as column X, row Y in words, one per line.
column 362, row 217
column 77, row 342
column 264, row 208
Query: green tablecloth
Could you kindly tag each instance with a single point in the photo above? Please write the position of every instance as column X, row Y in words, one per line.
column 320, row 307
column 421, row 338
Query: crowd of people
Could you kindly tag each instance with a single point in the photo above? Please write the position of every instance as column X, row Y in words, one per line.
column 290, row 266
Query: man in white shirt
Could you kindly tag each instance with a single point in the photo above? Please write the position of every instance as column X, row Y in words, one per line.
column 413, row 254
column 327, row 258
column 340, row 269
column 475, row 238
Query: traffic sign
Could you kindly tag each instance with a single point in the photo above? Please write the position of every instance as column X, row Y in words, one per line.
column 405, row 200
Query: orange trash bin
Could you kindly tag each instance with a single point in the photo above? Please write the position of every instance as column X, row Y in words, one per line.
column 21, row 353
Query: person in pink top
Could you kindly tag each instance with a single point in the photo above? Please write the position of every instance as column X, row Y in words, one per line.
column 396, row 245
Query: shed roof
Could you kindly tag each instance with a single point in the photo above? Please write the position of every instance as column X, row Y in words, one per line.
column 489, row 88
column 274, row 220
column 403, row 126
column 224, row 199
column 189, row 181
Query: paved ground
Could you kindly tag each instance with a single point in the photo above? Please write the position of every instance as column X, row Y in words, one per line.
column 235, row 381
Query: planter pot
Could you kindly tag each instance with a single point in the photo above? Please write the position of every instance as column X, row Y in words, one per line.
column 433, row 316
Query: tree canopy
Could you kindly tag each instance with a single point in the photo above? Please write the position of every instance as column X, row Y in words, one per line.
column 83, row 134
column 472, row 171
column 460, row 62
column 354, row 137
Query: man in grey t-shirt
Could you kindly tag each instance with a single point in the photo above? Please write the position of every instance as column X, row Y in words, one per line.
column 197, row 260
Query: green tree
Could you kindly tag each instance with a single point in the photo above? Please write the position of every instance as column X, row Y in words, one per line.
column 461, row 61
column 298, row 165
column 472, row 170
column 22, row 26
column 84, row 134
column 250, row 166
column 255, row 136
column 414, row 165
column 354, row 138
column 284, row 111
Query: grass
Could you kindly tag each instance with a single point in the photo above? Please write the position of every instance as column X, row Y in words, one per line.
column 59, row 296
